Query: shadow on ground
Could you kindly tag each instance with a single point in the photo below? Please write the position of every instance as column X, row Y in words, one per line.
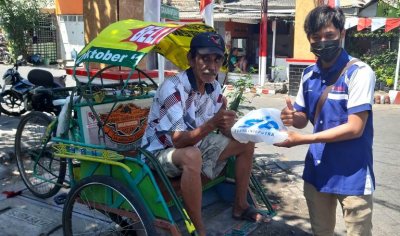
column 284, row 191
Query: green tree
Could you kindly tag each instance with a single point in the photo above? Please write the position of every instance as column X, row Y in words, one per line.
column 18, row 19
column 396, row 10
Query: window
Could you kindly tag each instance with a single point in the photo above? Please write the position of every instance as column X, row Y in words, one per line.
column 71, row 18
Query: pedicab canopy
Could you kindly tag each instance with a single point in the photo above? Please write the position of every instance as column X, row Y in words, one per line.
column 126, row 42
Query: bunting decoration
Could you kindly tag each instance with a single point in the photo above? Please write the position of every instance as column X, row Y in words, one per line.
column 351, row 22
column 392, row 23
column 363, row 23
column 375, row 23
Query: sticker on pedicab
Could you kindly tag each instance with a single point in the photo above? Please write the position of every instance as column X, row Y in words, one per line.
column 91, row 120
column 148, row 36
column 111, row 56
column 126, row 124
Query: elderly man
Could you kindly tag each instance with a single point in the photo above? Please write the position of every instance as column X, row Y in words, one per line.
column 187, row 108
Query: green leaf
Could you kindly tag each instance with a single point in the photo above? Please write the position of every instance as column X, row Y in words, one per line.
column 240, row 85
column 18, row 19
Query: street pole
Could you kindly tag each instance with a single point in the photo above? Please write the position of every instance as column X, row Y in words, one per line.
column 273, row 50
column 262, row 72
column 396, row 77
column 152, row 13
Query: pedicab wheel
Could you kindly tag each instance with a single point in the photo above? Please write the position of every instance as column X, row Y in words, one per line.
column 100, row 205
column 11, row 104
column 42, row 173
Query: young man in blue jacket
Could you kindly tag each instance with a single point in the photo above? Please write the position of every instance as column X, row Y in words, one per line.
column 338, row 165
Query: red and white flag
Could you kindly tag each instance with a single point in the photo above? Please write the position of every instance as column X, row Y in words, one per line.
column 363, row 23
column 206, row 11
column 392, row 23
column 333, row 3
column 377, row 23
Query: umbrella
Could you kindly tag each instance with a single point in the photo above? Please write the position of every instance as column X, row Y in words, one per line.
column 126, row 42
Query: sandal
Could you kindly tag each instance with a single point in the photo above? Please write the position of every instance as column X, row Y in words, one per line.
column 60, row 198
column 249, row 215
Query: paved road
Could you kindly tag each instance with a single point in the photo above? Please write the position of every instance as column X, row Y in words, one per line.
column 386, row 150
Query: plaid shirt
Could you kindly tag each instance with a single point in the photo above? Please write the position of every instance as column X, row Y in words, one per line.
column 178, row 106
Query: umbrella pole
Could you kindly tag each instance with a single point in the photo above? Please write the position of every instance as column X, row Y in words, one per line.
column 161, row 64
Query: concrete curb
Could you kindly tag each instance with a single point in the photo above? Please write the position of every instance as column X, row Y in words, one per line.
column 393, row 97
column 255, row 89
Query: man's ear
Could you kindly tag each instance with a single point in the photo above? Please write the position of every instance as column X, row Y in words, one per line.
column 343, row 34
column 190, row 58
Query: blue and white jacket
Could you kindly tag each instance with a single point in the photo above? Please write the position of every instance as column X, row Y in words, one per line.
column 344, row 167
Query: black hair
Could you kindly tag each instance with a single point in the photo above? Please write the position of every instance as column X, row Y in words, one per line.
column 192, row 52
column 321, row 16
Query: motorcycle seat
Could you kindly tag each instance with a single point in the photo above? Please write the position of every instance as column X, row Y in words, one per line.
column 41, row 77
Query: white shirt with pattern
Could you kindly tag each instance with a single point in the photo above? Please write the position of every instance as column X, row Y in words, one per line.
column 178, row 106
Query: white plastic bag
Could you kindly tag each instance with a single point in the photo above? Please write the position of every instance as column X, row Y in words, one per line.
column 262, row 125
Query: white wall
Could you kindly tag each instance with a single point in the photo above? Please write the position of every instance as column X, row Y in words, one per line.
column 71, row 35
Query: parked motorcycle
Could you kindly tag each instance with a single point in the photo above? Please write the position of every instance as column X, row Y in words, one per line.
column 13, row 88
column 35, row 93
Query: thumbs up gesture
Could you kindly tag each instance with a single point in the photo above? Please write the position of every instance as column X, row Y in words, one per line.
column 224, row 119
column 287, row 113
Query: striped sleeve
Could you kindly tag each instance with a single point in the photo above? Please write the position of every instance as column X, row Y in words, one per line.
column 361, row 89
column 299, row 104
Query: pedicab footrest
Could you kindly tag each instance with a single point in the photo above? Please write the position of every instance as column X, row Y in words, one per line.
column 76, row 151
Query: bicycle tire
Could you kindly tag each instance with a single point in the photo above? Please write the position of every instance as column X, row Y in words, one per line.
column 11, row 104
column 85, row 213
column 36, row 163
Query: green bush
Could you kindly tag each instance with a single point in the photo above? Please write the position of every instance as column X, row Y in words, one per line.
column 384, row 65
column 18, row 18
column 376, row 49
column 236, row 96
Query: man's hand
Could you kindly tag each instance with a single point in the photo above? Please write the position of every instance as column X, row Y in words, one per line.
column 223, row 119
column 287, row 114
column 293, row 139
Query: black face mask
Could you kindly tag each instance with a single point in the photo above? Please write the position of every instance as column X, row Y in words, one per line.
column 326, row 50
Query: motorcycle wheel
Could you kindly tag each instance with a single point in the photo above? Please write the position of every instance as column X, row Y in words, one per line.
column 11, row 104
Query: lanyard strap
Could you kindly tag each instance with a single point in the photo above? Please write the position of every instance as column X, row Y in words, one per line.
column 324, row 95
